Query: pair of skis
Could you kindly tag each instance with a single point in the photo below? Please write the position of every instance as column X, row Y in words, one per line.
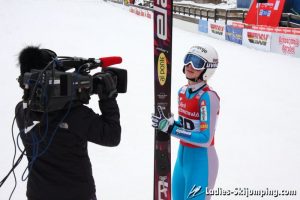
column 163, row 16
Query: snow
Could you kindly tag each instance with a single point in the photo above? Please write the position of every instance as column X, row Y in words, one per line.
column 257, row 135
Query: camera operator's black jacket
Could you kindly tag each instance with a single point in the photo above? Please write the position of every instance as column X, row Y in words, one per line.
column 63, row 170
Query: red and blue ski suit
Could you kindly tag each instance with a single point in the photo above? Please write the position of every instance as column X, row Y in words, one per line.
column 197, row 162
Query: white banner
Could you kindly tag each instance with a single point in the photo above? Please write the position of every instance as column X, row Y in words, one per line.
column 286, row 44
column 141, row 12
column 216, row 30
column 257, row 39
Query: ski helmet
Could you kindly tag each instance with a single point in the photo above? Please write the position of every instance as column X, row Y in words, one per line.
column 202, row 57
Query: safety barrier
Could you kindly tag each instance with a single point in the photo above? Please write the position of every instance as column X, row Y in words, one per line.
column 282, row 40
column 190, row 12
column 219, row 24
column 144, row 12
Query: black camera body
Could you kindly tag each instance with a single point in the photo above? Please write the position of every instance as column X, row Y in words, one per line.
column 53, row 89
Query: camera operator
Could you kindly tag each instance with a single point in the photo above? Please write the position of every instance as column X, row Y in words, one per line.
column 59, row 167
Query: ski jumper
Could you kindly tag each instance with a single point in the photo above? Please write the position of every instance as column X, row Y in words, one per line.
column 197, row 162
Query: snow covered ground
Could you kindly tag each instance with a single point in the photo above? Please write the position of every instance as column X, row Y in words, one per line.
column 257, row 136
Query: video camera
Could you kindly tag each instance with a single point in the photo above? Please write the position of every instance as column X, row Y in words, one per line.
column 53, row 87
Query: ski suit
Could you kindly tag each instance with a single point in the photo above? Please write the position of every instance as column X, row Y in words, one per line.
column 197, row 162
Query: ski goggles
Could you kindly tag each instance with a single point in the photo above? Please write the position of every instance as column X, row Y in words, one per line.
column 198, row 62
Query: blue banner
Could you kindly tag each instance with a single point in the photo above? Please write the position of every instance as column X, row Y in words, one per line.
column 203, row 26
column 234, row 34
column 243, row 3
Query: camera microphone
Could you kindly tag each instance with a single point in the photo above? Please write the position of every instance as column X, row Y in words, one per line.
column 88, row 63
column 108, row 61
column 103, row 62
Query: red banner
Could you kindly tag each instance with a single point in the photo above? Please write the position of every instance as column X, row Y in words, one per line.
column 283, row 30
column 265, row 13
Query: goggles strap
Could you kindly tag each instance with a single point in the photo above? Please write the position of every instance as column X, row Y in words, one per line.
column 202, row 74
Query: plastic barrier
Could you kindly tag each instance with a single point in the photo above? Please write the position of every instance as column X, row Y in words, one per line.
column 141, row 12
column 216, row 30
column 257, row 39
column 280, row 40
column 203, row 26
column 286, row 44
column 234, row 34
column 283, row 40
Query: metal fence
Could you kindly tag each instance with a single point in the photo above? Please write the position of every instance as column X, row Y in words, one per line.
column 215, row 14
column 290, row 20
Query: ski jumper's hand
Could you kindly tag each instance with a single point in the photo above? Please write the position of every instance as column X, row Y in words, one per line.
column 162, row 123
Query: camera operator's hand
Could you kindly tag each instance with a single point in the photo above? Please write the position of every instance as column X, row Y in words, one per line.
column 105, row 85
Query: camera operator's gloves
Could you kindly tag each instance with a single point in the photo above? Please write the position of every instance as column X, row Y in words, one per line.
column 162, row 123
column 105, row 85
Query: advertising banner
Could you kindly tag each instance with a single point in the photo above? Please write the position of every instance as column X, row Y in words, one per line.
column 234, row 34
column 265, row 13
column 286, row 44
column 284, row 30
column 141, row 12
column 203, row 26
column 257, row 39
column 216, row 30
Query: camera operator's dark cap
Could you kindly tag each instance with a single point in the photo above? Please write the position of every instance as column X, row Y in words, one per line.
column 32, row 57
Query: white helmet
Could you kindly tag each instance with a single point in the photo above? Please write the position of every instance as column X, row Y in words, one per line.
column 201, row 57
